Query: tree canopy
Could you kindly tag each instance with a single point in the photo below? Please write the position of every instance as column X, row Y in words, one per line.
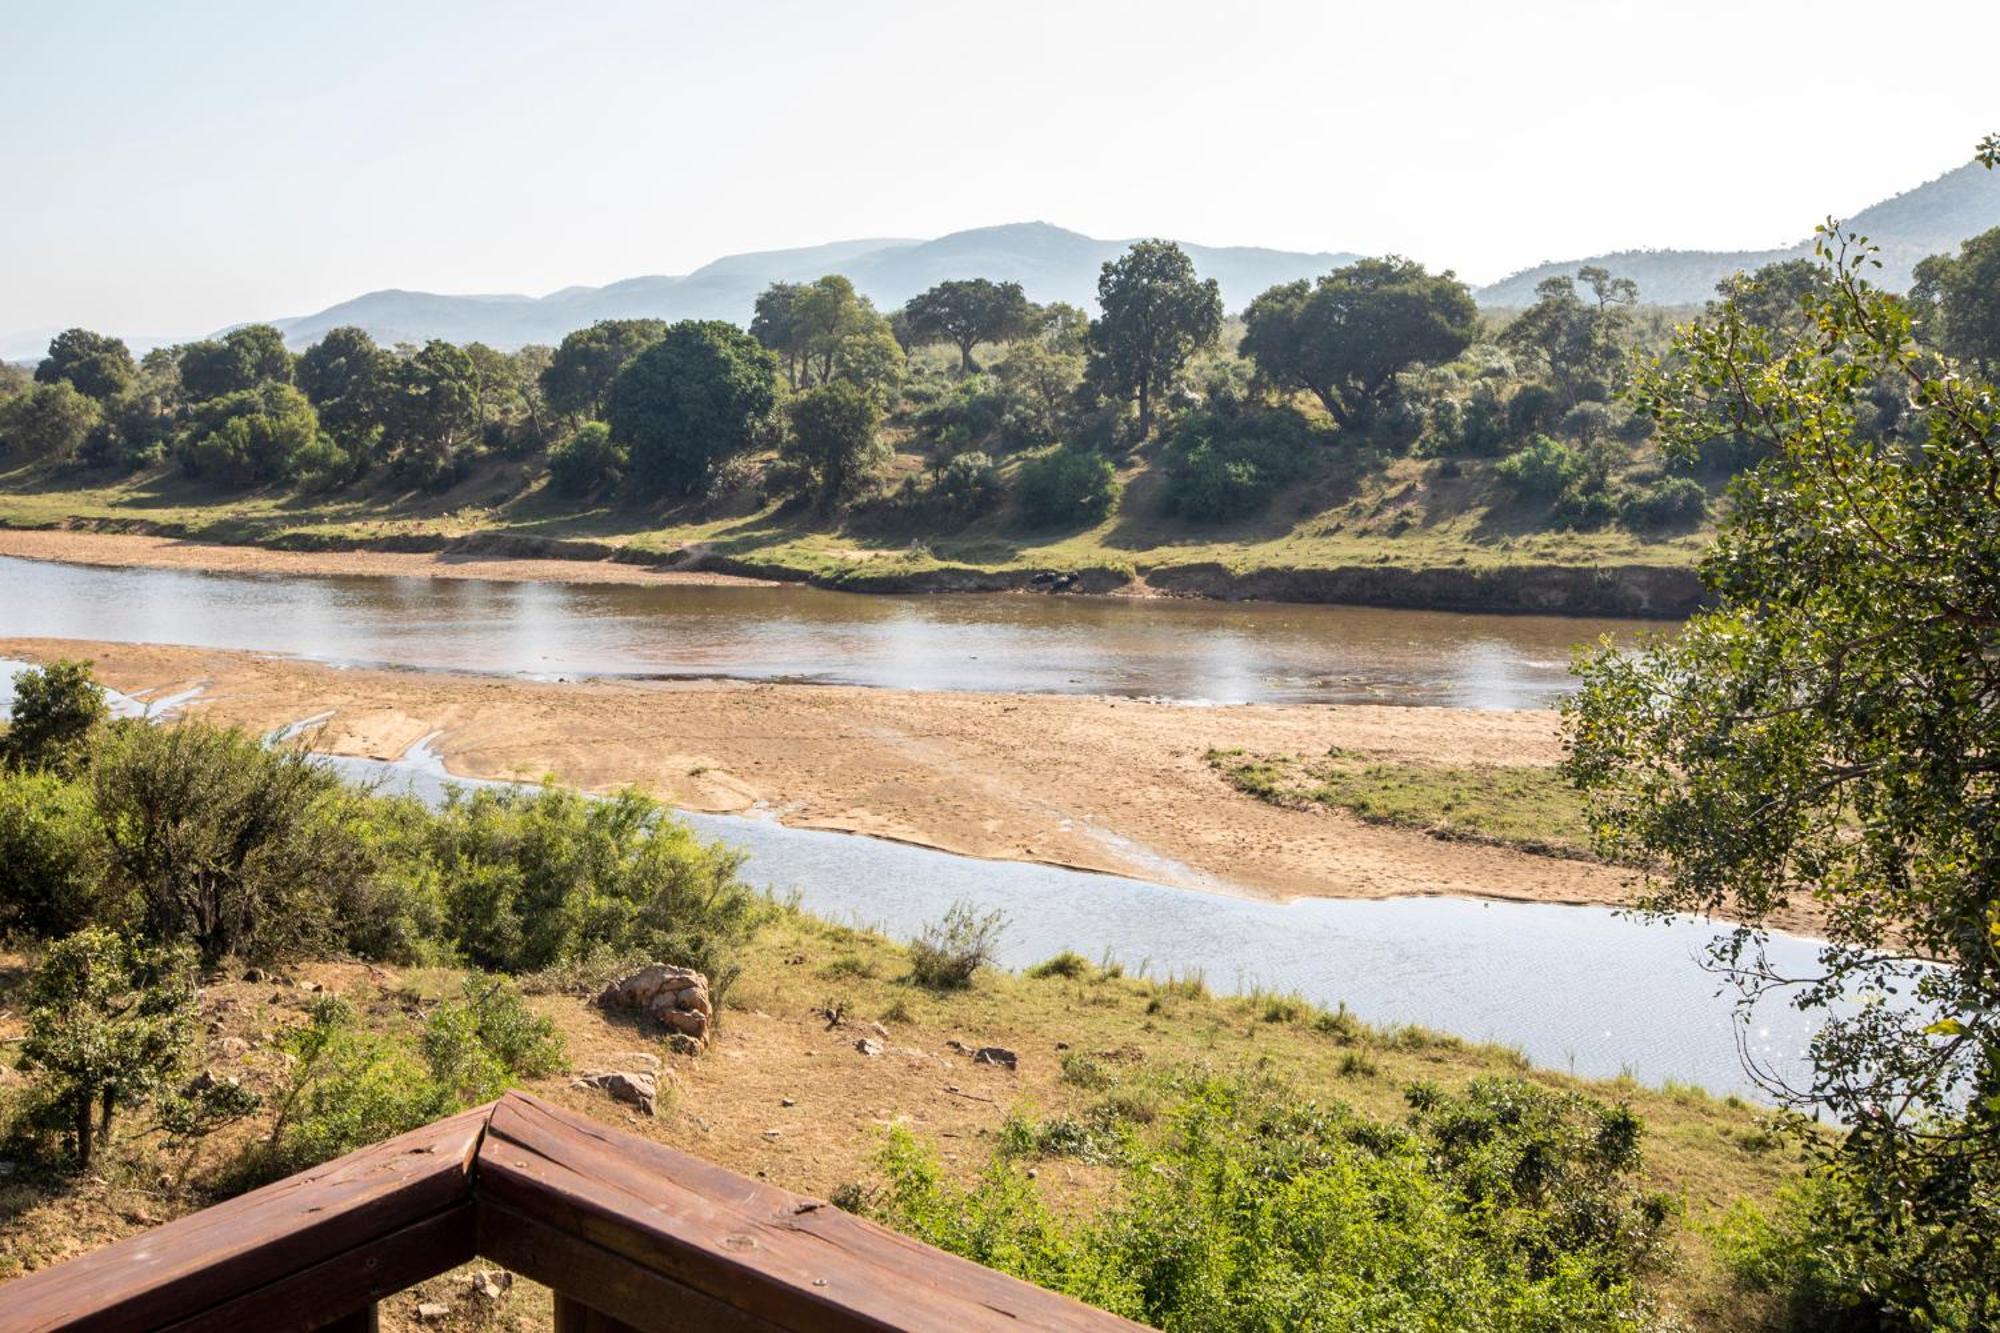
column 969, row 311
column 96, row 363
column 585, row 362
column 1347, row 336
column 690, row 401
column 1959, row 296
column 832, row 441
column 1828, row 735
column 1156, row 314
column 1578, row 343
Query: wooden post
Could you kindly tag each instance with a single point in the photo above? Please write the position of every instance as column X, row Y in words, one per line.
column 573, row 1316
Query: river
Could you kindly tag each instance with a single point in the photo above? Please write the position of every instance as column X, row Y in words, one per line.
column 1578, row 988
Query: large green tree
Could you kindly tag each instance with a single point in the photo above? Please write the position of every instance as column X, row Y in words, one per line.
column 1156, row 314
column 241, row 359
column 691, row 400
column 966, row 312
column 432, row 409
column 347, row 377
column 1347, row 336
column 96, row 363
column 1960, row 297
column 1827, row 738
column 580, row 372
column 249, row 437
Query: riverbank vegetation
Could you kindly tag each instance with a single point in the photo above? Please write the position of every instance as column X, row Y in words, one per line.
column 1533, row 809
column 260, row 968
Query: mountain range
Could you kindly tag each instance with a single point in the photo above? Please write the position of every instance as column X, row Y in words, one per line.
column 1055, row 264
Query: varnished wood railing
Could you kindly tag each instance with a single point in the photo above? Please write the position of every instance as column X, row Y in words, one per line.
column 629, row 1234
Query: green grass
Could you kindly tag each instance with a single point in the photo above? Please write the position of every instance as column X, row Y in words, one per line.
column 1530, row 808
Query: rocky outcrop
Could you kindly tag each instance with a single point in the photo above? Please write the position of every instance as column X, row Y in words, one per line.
column 637, row 1088
column 674, row 997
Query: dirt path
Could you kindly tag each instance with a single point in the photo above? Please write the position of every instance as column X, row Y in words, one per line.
column 131, row 550
column 1097, row 783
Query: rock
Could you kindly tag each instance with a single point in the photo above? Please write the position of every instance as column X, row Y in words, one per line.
column 877, row 1031
column 787, row 1101
column 773, row 1133
column 674, row 997
column 868, row 1046
column 996, row 1055
column 433, row 1310
column 231, row 1048
column 956, row 1045
column 256, row 974
column 645, row 1058
column 490, row 1283
column 639, row 1088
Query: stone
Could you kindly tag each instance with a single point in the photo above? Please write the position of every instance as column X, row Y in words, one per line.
column 256, row 974
column 674, row 997
column 490, row 1284
column 877, row 1031
column 996, row 1055
column 230, row 1048
column 433, row 1310
column 788, row 1101
column 637, row 1088
column 868, row 1046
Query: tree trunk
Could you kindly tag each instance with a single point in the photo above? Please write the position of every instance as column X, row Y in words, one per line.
column 1145, row 409
column 83, row 1128
column 965, row 358
column 104, row 1116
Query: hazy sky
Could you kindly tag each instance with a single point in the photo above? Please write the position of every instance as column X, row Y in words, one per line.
column 170, row 168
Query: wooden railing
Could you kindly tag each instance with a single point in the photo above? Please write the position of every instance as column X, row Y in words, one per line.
column 629, row 1234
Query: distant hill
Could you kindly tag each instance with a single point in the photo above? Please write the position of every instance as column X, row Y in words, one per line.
column 1933, row 218
column 1051, row 263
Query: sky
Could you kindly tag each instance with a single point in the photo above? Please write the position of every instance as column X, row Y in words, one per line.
column 169, row 169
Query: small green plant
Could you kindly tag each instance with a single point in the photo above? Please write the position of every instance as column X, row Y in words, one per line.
column 1081, row 1071
column 55, row 710
column 951, row 950
column 1069, row 964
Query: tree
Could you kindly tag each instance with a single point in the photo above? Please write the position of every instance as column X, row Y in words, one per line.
column 690, row 401
column 96, row 363
column 587, row 462
column 432, row 410
column 347, row 378
column 871, row 360
column 242, row 359
column 817, row 326
column 832, row 441
column 108, row 1022
column 1773, row 297
column 775, row 324
column 56, row 708
column 969, row 311
column 1156, row 315
column 1347, row 336
column 1067, row 485
column 580, row 372
column 1829, row 733
column 1579, row 343
column 48, row 421
column 1960, row 298
column 249, row 437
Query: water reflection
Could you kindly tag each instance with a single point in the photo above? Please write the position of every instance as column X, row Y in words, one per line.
column 1177, row 649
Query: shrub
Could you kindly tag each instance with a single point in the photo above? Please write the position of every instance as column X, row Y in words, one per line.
column 950, row 950
column 1508, row 1207
column 969, row 484
column 1069, row 964
column 48, row 421
column 348, row 1089
column 586, row 463
column 1586, row 505
column 1675, row 502
column 1534, row 408
column 1066, row 485
column 55, row 710
column 1541, row 469
column 249, row 437
column 832, row 450
column 1224, row 462
column 223, row 842
column 108, row 1023
column 532, row 879
column 50, row 856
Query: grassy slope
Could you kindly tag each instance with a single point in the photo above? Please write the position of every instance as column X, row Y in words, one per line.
column 1410, row 514
column 730, row 1106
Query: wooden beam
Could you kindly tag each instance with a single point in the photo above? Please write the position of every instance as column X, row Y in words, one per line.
column 781, row 1258
column 324, row 1228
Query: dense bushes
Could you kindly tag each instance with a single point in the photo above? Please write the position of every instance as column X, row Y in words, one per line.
column 249, row 437
column 1675, row 502
column 1223, row 463
column 1506, row 1206
column 1541, row 469
column 587, row 463
column 1066, row 485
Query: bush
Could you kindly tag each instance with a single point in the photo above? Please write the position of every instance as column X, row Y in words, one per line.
column 832, row 451
column 48, row 421
column 1542, row 469
column 1510, row 1206
column 1676, row 502
column 1223, row 464
column 108, row 1023
column 50, row 856
column 348, row 1089
column 1066, row 485
column 586, row 463
column 55, row 710
column 539, row 878
column 1534, row 408
column 1069, row 964
column 969, row 484
column 952, row 949
column 1586, row 505
column 249, row 437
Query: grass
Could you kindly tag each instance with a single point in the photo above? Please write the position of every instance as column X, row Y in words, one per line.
column 1530, row 808
column 1406, row 513
column 1096, row 1052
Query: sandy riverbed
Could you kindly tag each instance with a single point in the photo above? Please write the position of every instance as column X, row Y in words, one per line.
column 127, row 549
column 1097, row 783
